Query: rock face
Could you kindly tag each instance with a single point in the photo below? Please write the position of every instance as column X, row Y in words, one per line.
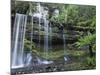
column 72, row 32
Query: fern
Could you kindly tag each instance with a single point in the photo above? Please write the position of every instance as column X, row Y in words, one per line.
column 86, row 40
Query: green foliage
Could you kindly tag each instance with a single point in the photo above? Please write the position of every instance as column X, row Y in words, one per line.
column 94, row 47
column 88, row 23
column 32, row 8
column 90, row 61
column 84, row 23
column 72, row 14
column 28, row 46
column 93, row 23
column 75, row 66
column 78, row 53
column 62, row 17
column 24, row 7
column 86, row 40
column 21, row 7
column 76, row 15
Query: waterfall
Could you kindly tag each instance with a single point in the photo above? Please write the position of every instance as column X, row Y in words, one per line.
column 28, row 59
column 46, row 22
column 64, row 42
column 45, row 36
column 18, row 57
column 18, row 40
column 50, row 34
column 31, row 31
column 40, row 12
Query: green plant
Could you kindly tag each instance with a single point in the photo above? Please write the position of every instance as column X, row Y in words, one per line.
column 89, row 41
column 86, row 40
column 28, row 46
column 90, row 61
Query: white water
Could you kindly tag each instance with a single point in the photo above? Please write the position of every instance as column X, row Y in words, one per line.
column 28, row 59
column 50, row 34
column 45, row 37
column 64, row 42
column 19, row 35
column 47, row 62
column 40, row 12
column 18, row 40
column 43, row 61
column 65, row 58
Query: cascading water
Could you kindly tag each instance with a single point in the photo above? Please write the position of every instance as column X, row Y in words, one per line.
column 46, row 22
column 19, row 58
column 18, row 40
column 64, row 42
column 50, row 34
column 28, row 59
column 40, row 12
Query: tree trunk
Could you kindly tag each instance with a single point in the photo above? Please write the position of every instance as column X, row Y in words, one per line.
column 90, row 51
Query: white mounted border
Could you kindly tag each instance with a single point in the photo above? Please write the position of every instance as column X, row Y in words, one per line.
column 80, row 2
